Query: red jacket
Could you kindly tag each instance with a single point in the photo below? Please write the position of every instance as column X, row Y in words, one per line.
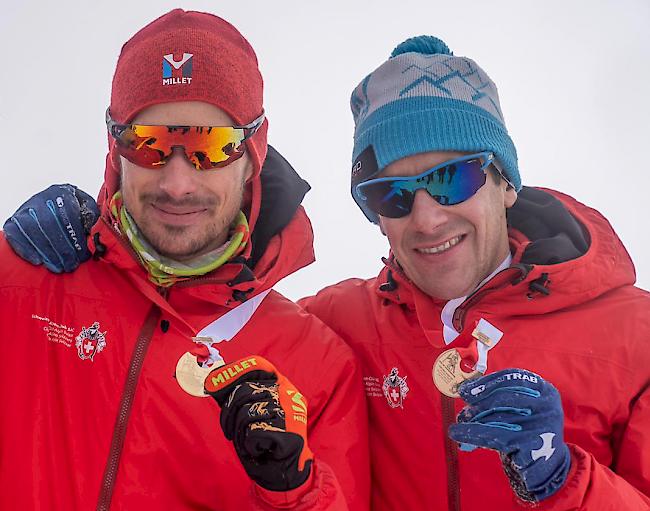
column 589, row 336
column 117, row 430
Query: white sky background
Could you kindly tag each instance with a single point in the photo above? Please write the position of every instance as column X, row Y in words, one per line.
column 573, row 77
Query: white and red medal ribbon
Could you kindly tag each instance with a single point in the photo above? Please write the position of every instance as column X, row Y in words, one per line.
column 488, row 337
column 195, row 365
column 466, row 358
column 474, row 345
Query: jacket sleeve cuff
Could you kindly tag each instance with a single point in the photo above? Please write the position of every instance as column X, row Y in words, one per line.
column 575, row 485
column 320, row 491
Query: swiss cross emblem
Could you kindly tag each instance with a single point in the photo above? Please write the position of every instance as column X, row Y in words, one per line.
column 395, row 388
column 90, row 342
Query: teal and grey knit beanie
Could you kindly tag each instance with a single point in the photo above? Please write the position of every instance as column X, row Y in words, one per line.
column 423, row 98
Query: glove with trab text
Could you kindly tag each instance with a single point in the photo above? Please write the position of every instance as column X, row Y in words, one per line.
column 518, row 414
column 265, row 417
column 51, row 228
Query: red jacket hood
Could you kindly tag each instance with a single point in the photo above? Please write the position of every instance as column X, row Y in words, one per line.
column 281, row 239
column 564, row 254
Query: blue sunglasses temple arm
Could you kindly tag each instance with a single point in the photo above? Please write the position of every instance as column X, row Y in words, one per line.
column 502, row 173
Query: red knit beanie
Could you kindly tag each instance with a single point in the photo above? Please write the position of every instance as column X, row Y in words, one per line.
column 189, row 56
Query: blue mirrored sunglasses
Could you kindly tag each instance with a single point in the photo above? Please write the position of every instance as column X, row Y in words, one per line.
column 449, row 183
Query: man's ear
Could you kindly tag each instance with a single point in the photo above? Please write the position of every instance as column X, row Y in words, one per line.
column 248, row 169
column 509, row 196
column 120, row 167
column 381, row 225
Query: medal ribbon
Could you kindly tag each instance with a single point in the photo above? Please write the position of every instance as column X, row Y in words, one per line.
column 466, row 346
column 473, row 345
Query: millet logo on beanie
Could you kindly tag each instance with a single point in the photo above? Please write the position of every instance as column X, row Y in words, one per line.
column 177, row 71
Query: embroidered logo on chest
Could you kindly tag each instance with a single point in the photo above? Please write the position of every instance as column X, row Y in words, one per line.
column 395, row 389
column 90, row 342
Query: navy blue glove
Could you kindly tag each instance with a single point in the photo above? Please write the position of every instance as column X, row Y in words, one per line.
column 518, row 414
column 51, row 228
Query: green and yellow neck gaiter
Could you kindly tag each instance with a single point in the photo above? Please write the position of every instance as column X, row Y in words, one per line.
column 165, row 272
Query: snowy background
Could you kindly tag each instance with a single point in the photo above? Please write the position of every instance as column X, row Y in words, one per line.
column 573, row 77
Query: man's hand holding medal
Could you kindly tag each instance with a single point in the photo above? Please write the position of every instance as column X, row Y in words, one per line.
column 518, row 414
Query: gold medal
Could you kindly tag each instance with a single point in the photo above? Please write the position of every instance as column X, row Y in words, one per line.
column 191, row 376
column 447, row 374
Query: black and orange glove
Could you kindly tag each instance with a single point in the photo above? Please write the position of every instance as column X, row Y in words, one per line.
column 265, row 417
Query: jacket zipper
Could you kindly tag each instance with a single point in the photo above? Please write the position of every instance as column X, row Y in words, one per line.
column 451, row 455
column 504, row 277
column 448, row 411
column 121, row 423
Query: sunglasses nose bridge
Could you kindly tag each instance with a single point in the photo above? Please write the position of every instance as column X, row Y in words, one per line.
column 426, row 212
column 181, row 153
column 178, row 162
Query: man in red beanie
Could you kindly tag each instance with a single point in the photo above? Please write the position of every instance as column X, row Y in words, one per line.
column 107, row 368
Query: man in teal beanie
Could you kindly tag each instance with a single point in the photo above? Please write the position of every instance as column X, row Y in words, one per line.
column 505, row 318
column 484, row 270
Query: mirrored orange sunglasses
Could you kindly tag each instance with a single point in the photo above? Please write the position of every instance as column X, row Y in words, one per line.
column 206, row 147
